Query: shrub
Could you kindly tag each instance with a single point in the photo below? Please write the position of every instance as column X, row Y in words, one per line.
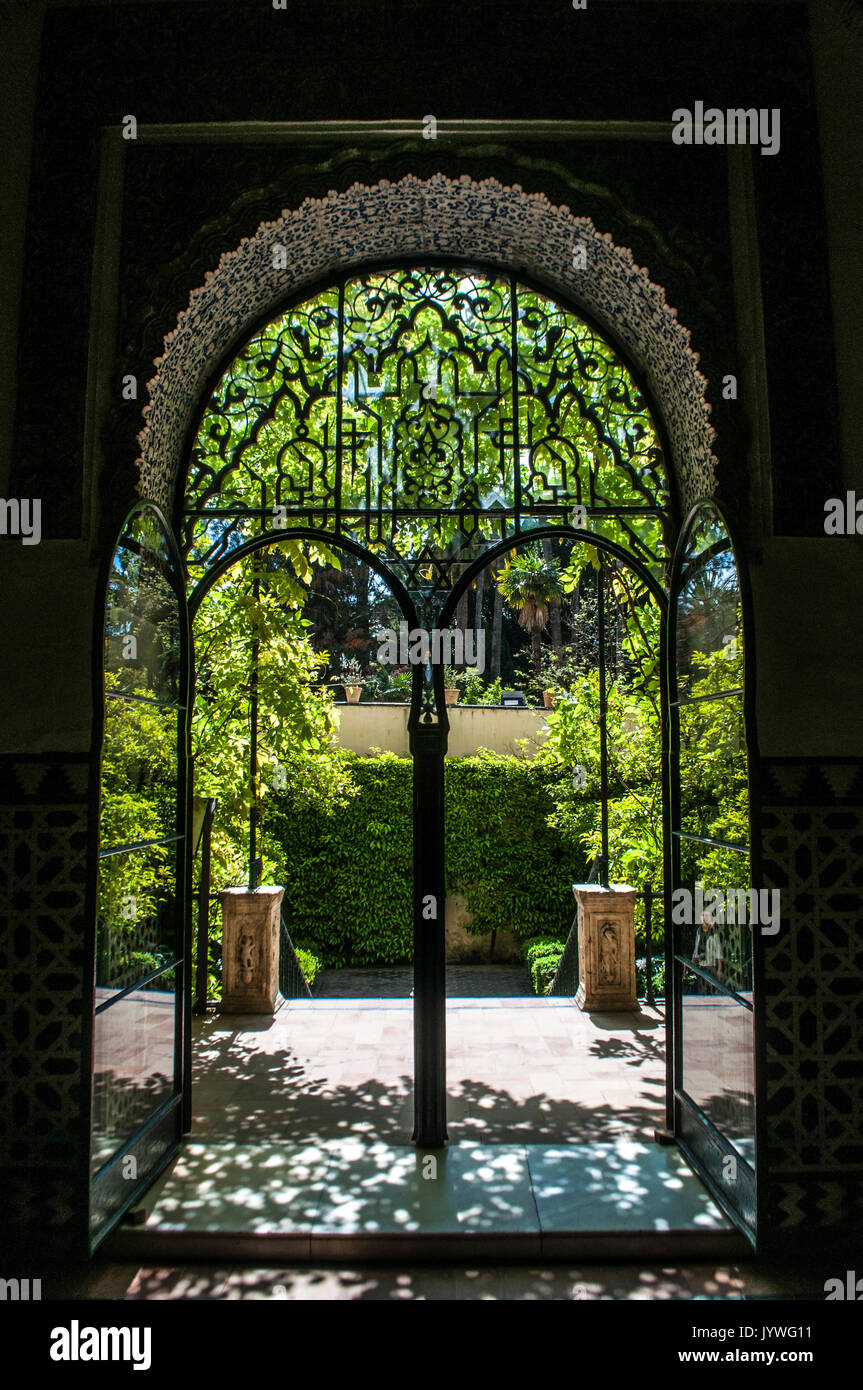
column 658, row 977
column 310, row 964
column 475, row 690
column 347, row 868
column 514, row 868
column 541, row 955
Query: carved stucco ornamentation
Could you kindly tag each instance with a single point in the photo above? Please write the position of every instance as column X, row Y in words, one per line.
column 485, row 221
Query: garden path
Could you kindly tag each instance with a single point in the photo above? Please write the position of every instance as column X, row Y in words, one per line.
column 396, row 982
column 518, row 1070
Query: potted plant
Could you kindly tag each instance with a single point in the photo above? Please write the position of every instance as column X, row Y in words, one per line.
column 353, row 679
column 393, row 685
column 558, row 671
column 453, row 681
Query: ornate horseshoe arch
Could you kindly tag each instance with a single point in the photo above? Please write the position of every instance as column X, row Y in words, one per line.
column 459, row 227
column 411, row 220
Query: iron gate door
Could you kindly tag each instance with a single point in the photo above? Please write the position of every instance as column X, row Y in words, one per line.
column 714, row 914
column 140, row 995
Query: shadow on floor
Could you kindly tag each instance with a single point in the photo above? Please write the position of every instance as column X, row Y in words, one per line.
column 492, row 1282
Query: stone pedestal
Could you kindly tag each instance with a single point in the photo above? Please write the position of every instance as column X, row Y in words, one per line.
column 250, row 949
column 606, row 947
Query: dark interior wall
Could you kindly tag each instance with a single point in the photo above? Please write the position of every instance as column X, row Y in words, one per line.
column 21, row 37
column 394, row 60
column 807, row 596
column 185, row 205
column 810, row 663
column 182, row 206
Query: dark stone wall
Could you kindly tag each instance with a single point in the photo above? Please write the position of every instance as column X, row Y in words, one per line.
column 812, row 846
column 619, row 61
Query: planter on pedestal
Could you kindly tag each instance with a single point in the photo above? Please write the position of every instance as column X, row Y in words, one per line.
column 250, row 949
column 606, row 947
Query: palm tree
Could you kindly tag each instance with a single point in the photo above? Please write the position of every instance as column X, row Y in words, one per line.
column 708, row 608
column 530, row 583
column 554, row 608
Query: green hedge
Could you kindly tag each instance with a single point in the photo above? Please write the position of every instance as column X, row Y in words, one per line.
column 514, row 870
column 347, row 873
column 542, row 955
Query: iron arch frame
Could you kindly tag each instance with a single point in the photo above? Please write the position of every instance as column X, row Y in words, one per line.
column 180, row 1101
column 516, row 276
column 470, row 264
column 303, row 533
column 428, row 730
column 428, row 723
column 661, row 598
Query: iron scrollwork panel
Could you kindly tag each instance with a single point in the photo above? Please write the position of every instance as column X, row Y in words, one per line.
column 428, row 413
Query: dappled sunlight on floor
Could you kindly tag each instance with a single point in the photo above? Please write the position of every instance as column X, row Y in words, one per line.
column 302, row 1131
column 359, row 1186
column 526, row 1070
column 494, row 1282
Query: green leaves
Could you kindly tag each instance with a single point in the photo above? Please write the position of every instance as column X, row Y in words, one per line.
column 542, row 956
column 529, row 583
column 347, row 869
column 346, row 866
column 250, row 623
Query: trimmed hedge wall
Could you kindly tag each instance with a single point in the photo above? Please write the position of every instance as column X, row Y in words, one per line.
column 515, row 870
column 347, row 873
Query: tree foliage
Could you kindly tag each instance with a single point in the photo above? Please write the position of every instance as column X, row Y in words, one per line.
column 251, row 637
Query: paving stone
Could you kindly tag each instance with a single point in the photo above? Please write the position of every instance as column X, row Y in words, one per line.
column 519, row 1068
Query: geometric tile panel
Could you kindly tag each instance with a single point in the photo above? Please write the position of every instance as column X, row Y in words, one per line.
column 43, row 877
column 811, row 1203
column 43, row 995
column 41, row 1199
column 822, row 782
column 814, row 989
column 49, row 779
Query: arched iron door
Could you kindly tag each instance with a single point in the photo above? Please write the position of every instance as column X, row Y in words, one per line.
column 430, row 412
column 716, row 916
column 140, row 995
column 428, row 727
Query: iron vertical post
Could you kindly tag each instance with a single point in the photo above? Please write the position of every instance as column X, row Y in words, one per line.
column 603, row 722
column 428, row 746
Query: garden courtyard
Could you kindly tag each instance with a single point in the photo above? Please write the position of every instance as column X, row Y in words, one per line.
column 519, row 1070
